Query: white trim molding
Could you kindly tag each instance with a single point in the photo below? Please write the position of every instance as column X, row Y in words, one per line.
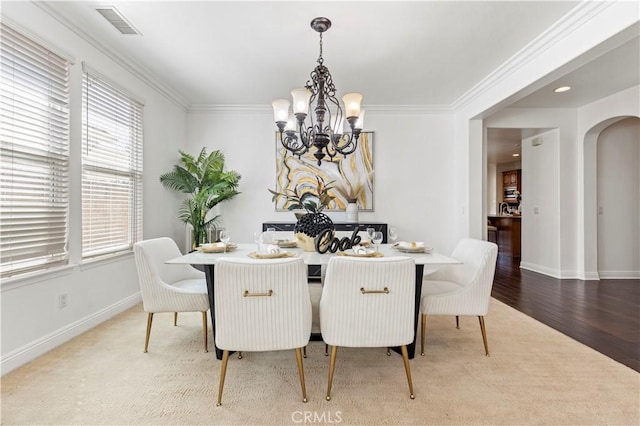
column 32, row 350
column 135, row 69
column 555, row 273
column 573, row 20
column 619, row 275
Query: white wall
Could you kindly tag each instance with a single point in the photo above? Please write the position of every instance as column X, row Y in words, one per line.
column 618, row 176
column 541, row 204
column 413, row 163
column 31, row 320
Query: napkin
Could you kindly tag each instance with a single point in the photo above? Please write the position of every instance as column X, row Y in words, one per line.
column 271, row 249
column 410, row 245
column 211, row 245
column 357, row 249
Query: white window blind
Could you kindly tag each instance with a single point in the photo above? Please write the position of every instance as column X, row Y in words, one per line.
column 34, row 155
column 111, row 168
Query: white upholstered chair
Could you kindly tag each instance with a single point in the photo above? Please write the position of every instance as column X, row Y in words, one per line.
column 169, row 288
column 461, row 289
column 368, row 302
column 261, row 305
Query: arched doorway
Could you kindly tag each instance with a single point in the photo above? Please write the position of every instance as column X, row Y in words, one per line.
column 611, row 207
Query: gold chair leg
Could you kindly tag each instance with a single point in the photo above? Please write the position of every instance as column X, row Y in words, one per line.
column 484, row 335
column 146, row 340
column 407, row 369
column 457, row 321
column 223, row 372
column 175, row 319
column 422, row 333
column 326, row 350
column 388, row 351
column 301, row 374
column 332, row 366
column 304, row 352
column 239, row 354
column 204, row 331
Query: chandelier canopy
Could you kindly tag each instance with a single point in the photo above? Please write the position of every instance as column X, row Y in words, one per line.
column 325, row 131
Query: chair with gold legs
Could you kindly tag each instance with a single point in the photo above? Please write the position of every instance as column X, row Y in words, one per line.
column 261, row 305
column 461, row 289
column 169, row 288
column 368, row 302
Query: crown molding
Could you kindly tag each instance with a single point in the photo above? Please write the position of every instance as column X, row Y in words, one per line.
column 204, row 108
column 135, row 69
column 387, row 109
column 573, row 20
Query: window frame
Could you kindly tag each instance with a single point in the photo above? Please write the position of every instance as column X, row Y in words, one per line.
column 107, row 109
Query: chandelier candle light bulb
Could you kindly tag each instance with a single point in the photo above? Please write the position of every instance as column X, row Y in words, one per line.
column 325, row 131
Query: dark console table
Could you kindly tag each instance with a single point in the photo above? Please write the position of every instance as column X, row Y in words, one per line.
column 339, row 226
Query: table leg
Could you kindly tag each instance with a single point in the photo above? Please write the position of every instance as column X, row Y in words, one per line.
column 411, row 348
column 209, row 274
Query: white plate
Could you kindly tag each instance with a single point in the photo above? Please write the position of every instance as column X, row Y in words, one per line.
column 287, row 243
column 369, row 253
column 278, row 255
column 413, row 249
column 216, row 248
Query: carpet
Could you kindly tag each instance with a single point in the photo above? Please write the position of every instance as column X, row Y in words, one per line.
column 535, row 375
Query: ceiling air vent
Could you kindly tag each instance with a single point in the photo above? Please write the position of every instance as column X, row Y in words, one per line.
column 116, row 19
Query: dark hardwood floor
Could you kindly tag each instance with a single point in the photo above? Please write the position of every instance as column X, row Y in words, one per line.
column 604, row 315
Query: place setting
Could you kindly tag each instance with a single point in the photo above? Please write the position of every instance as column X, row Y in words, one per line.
column 223, row 246
column 364, row 250
column 411, row 247
column 270, row 251
column 269, row 247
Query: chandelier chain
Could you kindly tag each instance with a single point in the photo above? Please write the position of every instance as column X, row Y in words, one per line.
column 320, row 59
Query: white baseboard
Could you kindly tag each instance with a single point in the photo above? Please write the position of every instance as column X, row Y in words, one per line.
column 620, row 275
column 32, row 350
column 589, row 276
column 540, row 269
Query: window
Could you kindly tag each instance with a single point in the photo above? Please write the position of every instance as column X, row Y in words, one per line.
column 111, row 168
column 34, row 155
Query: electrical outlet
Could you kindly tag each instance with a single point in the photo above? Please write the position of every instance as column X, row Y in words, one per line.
column 535, row 210
column 62, row 300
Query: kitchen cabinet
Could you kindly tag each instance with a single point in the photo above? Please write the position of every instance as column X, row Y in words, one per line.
column 511, row 178
column 509, row 229
column 511, row 182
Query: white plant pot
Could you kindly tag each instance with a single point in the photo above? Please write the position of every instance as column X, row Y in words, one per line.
column 352, row 213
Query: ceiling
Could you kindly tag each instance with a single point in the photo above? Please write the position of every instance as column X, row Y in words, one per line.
column 415, row 53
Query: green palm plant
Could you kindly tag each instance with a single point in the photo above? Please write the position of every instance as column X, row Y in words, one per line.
column 207, row 183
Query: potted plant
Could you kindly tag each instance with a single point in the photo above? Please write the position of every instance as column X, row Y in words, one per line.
column 313, row 201
column 207, row 184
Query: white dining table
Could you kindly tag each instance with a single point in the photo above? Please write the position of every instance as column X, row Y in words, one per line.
column 424, row 262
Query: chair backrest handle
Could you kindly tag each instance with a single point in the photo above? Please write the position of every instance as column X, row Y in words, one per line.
column 247, row 294
column 383, row 291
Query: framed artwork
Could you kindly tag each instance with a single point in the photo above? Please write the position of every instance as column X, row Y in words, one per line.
column 351, row 177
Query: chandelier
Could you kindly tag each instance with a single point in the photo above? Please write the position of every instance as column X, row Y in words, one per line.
column 325, row 132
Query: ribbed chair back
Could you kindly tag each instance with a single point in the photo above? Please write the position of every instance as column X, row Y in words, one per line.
column 156, row 277
column 368, row 302
column 475, row 277
column 261, row 305
column 461, row 289
column 169, row 287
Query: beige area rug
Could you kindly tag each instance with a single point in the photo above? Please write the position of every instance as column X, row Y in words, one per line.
column 535, row 375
